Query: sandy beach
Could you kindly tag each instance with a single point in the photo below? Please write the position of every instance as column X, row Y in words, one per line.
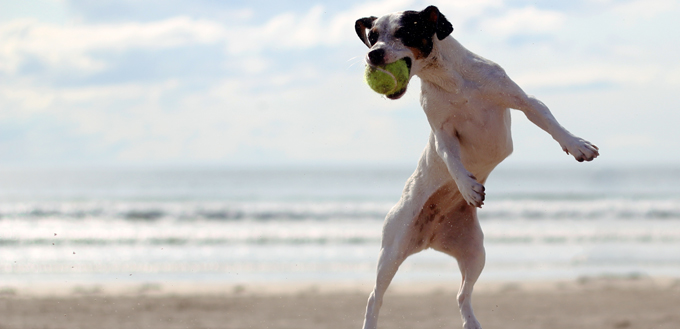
column 586, row 303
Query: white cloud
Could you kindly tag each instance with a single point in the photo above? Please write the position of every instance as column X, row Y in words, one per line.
column 461, row 12
column 23, row 100
column 69, row 46
column 566, row 76
column 644, row 9
column 525, row 20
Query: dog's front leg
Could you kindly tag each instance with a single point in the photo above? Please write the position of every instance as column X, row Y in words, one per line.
column 540, row 115
column 448, row 148
column 512, row 96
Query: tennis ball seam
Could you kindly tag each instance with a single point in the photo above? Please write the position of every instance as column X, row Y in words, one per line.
column 388, row 79
column 396, row 83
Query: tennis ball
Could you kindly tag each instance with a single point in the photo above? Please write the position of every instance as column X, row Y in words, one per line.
column 389, row 79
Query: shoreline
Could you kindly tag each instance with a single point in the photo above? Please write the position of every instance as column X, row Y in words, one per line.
column 585, row 283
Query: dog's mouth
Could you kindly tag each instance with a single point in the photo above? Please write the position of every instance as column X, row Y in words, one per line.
column 401, row 92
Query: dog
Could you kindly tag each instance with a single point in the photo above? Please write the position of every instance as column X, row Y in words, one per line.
column 467, row 101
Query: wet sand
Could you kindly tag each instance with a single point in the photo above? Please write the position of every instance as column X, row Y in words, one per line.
column 587, row 303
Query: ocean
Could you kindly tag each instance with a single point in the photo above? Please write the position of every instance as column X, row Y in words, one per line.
column 302, row 225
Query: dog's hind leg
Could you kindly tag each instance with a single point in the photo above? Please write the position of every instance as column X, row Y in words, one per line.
column 390, row 259
column 462, row 237
column 398, row 242
column 401, row 238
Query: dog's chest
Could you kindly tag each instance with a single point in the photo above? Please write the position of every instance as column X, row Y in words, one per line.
column 481, row 125
column 468, row 108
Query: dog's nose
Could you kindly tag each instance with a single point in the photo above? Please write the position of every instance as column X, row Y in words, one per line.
column 376, row 57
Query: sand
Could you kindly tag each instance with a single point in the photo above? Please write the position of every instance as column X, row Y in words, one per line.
column 587, row 303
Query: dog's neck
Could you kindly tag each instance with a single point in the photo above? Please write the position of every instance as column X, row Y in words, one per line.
column 442, row 67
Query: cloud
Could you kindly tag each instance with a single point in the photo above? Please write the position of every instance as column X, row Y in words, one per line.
column 644, row 9
column 581, row 75
column 527, row 20
column 71, row 46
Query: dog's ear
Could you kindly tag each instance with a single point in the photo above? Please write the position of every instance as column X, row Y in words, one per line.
column 442, row 26
column 361, row 25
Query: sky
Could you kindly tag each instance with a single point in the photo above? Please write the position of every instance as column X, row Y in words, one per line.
column 279, row 83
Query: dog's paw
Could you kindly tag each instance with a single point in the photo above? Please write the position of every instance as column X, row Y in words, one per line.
column 472, row 191
column 581, row 149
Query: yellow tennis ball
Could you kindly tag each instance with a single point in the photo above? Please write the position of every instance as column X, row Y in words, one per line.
column 389, row 79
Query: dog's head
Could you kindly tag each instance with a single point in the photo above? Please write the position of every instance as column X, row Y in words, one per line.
column 408, row 35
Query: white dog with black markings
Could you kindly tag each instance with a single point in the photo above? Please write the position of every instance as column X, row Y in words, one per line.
column 466, row 99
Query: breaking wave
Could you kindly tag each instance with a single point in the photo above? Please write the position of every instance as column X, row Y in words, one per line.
column 532, row 209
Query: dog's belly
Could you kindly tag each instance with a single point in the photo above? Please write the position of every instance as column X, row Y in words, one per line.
column 442, row 219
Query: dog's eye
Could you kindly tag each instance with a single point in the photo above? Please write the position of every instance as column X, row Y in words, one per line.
column 372, row 37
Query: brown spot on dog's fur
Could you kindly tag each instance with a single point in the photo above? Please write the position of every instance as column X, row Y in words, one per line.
column 417, row 242
column 434, row 236
column 436, row 206
column 417, row 53
column 432, row 64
